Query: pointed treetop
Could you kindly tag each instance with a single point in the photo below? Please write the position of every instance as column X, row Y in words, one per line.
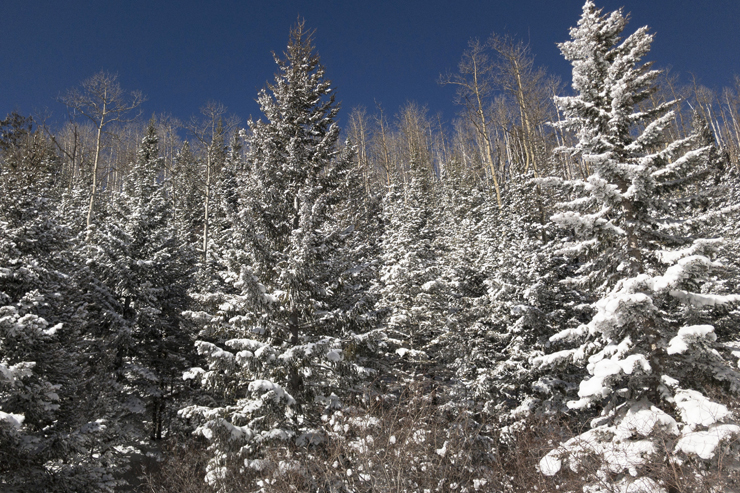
column 149, row 149
column 299, row 87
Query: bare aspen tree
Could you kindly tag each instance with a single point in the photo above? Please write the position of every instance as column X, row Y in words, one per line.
column 102, row 101
column 730, row 99
column 359, row 135
column 515, row 74
column 466, row 149
column 169, row 143
column 674, row 92
column 67, row 142
column 705, row 99
column 733, row 103
column 210, row 133
column 441, row 141
column 503, row 138
column 474, row 86
column 121, row 151
column 413, row 128
column 381, row 139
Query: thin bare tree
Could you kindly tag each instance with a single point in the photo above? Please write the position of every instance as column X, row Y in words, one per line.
column 474, row 84
column 211, row 133
column 101, row 100
column 516, row 75
column 359, row 134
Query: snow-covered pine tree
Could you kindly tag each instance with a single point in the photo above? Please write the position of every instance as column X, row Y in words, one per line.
column 44, row 429
column 224, row 216
column 517, row 299
column 275, row 341
column 409, row 289
column 143, row 268
column 459, row 282
column 186, row 196
column 650, row 349
column 227, row 240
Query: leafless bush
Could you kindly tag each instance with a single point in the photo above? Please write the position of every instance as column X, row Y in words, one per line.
column 412, row 443
column 181, row 470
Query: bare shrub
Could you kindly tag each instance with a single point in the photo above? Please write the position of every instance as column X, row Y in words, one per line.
column 181, row 469
column 410, row 442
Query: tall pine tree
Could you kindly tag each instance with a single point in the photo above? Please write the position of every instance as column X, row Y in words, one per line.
column 143, row 267
column 274, row 338
column 45, row 428
column 650, row 350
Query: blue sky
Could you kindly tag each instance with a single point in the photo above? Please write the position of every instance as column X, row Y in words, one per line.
column 181, row 54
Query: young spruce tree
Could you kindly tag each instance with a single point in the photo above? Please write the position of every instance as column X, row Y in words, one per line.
column 142, row 265
column 652, row 356
column 275, row 335
column 45, row 429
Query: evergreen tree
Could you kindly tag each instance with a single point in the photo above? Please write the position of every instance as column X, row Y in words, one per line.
column 225, row 210
column 516, row 300
column 650, row 349
column 44, row 429
column 186, row 196
column 409, row 289
column 142, row 267
column 277, row 313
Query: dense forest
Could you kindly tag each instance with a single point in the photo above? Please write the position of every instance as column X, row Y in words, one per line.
column 541, row 296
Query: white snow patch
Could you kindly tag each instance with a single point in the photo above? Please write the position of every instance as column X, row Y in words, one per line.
column 14, row 373
column 550, row 464
column 52, row 330
column 593, row 387
column 698, row 247
column 428, row 286
column 257, row 464
column 274, row 434
column 669, row 381
column 479, row 483
column 704, row 443
column 618, row 456
column 274, row 297
column 552, row 359
column 606, row 367
column 689, row 334
column 245, row 344
column 243, row 357
column 365, row 422
column 443, row 451
column 14, row 420
column 193, row 373
column 698, row 410
column 412, row 353
column 642, row 418
column 701, row 300
column 213, row 351
column 334, row 355
column 640, row 485
column 268, row 387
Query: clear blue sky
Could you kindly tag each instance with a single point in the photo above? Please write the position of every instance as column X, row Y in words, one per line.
column 181, row 54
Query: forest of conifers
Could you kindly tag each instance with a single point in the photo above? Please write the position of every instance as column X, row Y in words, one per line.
column 540, row 296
